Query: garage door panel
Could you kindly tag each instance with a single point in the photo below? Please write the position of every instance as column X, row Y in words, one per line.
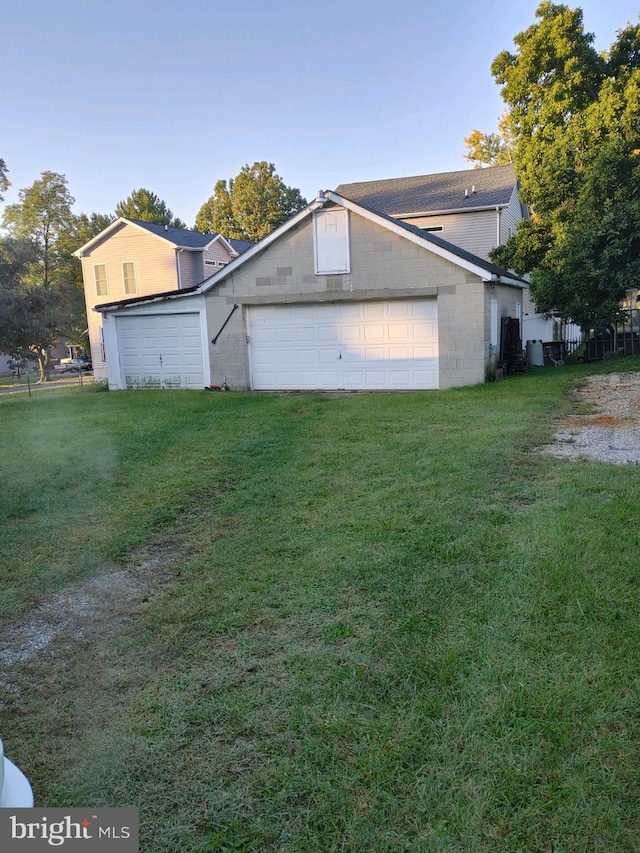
column 373, row 310
column 375, row 332
column 328, row 379
column 400, row 331
column 350, row 331
column 161, row 351
column 328, row 333
column 371, row 345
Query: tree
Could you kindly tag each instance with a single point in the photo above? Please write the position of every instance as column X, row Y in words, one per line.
column 574, row 114
column 41, row 217
column 32, row 318
column 5, row 183
column 491, row 149
column 254, row 203
column 147, row 207
column 40, row 280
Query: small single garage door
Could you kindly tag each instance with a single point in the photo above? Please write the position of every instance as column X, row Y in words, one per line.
column 352, row 346
column 161, row 351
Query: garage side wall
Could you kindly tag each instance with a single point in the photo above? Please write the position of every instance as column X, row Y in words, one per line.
column 384, row 266
column 509, row 304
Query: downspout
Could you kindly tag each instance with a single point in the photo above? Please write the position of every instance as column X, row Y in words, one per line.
column 178, row 250
column 498, row 211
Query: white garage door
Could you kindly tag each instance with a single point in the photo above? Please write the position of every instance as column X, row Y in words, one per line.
column 352, row 346
column 161, row 351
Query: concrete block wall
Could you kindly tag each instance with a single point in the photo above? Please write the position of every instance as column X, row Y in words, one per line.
column 384, row 265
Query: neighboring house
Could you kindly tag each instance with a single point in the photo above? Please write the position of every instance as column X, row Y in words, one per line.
column 140, row 258
column 476, row 209
column 339, row 297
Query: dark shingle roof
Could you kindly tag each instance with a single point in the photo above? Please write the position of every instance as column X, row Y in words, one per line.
column 239, row 245
column 431, row 193
column 189, row 239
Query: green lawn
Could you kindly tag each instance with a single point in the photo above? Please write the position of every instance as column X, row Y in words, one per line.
column 370, row 623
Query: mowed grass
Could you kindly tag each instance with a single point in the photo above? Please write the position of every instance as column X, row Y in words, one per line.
column 381, row 623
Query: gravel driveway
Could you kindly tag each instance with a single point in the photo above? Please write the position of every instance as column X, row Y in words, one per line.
column 610, row 431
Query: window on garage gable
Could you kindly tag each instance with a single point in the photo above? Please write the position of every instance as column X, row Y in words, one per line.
column 331, row 241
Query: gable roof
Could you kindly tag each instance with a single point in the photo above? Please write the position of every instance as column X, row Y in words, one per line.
column 469, row 262
column 443, row 193
column 185, row 239
column 181, row 238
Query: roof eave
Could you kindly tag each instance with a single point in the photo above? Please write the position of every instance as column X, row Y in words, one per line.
column 444, row 211
column 79, row 253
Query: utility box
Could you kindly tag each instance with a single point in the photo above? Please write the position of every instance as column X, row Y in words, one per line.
column 535, row 353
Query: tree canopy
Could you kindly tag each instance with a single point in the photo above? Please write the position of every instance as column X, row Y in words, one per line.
column 575, row 118
column 491, row 149
column 252, row 204
column 41, row 217
column 32, row 318
column 146, row 206
column 41, row 290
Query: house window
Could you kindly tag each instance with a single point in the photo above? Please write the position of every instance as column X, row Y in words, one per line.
column 102, row 283
column 129, row 277
column 331, row 241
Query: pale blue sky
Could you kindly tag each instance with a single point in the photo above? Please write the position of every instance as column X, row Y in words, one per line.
column 172, row 96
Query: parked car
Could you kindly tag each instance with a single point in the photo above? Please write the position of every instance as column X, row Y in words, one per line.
column 73, row 365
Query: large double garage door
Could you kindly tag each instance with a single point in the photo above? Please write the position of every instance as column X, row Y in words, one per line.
column 161, row 351
column 353, row 346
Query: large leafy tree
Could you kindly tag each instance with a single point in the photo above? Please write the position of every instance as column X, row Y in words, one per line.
column 32, row 318
column 146, row 206
column 575, row 119
column 42, row 216
column 40, row 280
column 252, row 204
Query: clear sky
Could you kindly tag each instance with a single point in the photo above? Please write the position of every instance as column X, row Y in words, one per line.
column 172, row 96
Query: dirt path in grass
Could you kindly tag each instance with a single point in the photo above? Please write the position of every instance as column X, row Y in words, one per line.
column 609, row 429
column 62, row 621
